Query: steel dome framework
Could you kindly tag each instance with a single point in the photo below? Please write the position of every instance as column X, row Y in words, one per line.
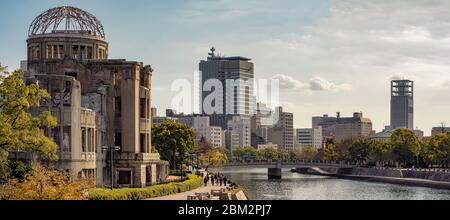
column 66, row 19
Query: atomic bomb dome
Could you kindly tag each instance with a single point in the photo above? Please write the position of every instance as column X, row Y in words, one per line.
column 101, row 104
column 66, row 19
column 66, row 33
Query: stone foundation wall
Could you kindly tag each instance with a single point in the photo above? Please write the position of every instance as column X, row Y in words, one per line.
column 372, row 172
column 377, row 172
column 428, row 175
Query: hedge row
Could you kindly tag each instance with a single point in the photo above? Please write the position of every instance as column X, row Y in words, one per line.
column 193, row 182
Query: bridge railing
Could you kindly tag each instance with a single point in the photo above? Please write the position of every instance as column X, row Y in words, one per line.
column 296, row 162
column 330, row 163
column 436, row 170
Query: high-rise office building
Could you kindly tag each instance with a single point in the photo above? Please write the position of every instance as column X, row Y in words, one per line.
column 328, row 125
column 282, row 132
column 310, row 137
column 241, row 127
column 402, row 104
column 353, row 128
column 203, row 129
column 260, row 126
column 343, row 128
column 236, row 76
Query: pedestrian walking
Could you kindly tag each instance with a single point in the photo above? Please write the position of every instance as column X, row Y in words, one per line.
column 225, row 180
column 206, row 180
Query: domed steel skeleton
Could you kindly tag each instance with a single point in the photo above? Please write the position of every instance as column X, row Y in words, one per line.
column 66, row 19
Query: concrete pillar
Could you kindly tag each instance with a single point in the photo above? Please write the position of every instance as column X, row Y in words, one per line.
column 275, row 173
column 140, row 176
column 130, row 112
column 153, row 174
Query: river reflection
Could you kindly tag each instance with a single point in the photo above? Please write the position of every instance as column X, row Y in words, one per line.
column 304, row 187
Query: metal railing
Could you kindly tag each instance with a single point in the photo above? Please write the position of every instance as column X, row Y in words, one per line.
column 435, row 170
column 289, row 163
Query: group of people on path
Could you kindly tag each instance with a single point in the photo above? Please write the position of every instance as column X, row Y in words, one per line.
column 218, row 179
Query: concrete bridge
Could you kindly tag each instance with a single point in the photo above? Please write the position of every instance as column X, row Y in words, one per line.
column 275, row 168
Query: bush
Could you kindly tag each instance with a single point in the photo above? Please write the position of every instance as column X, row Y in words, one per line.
column 192, row 183
column 43, row 183
column 18, row 170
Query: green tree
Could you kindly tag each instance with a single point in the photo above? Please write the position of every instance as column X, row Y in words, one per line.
column 284, row 154
column 308, row 153
column 260, row 155
column 269, row 153
column 444, row 156
column 20, row 130
column 202, row 147
column 248, row 153
column 380, row 151
column 320, row 155
column 406, row 146
column 359, row 150
column 330, row 153
column 217, row 157
column 171, row 138
column 18, row 170
column 238, row 153
column 430, row 150
column 436, row 150
column 293, row 154
column 342, row 149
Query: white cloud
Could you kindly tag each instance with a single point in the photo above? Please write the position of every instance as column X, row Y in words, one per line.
column 314, row 84
column 368, row 34
column 366, row 43
column 400, row 76
column 446, row 85
column 359, row 45
column 321, row 84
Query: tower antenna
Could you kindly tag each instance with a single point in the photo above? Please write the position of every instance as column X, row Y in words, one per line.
column 212, row 54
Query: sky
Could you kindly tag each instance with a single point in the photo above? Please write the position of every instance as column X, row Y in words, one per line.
column 329, row 55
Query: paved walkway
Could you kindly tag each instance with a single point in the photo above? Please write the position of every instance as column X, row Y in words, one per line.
column 184, row 195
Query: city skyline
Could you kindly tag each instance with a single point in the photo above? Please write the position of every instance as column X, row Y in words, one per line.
column 325, row 63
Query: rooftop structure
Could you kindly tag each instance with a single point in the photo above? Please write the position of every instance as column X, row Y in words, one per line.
column 66, row 20
column 402, row 104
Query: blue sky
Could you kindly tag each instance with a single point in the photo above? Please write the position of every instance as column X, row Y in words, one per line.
column 148, row 29
column 330, row 55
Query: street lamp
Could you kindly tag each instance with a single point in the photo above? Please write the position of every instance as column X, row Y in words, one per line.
column 198, row 160
column 111, row 150
column 181, row 158
column 181, row 166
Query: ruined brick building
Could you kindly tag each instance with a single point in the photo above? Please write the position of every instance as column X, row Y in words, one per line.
column 98, row 102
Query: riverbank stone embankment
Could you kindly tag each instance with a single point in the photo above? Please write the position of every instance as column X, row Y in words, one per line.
column 431, row 179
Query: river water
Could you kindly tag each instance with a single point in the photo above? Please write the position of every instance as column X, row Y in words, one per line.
column 296, row 186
